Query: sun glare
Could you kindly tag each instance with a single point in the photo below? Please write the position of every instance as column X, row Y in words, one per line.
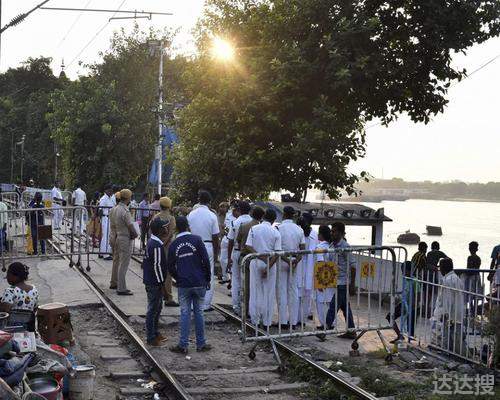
column 222, row 49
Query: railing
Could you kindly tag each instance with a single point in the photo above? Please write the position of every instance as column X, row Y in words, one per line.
column 454, row 314
column 361, row 281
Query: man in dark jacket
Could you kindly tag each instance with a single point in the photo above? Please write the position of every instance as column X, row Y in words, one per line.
column 189, row 265
column 154, row 271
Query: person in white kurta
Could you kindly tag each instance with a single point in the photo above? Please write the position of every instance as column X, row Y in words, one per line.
column 323, row 297
column 79, row 199
column 229, row 219
column 263, row 238
column 106, row 202
column 292, row 239
column 204, row 223
column 305, row 269
column 58, row 214
column 234, row 252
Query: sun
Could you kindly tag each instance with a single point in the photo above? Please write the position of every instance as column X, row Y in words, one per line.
column 222, row 49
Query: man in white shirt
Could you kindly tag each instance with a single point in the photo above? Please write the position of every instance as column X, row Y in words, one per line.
column 263, row 238
column 57, row 200
column 292, row 239
column 234, row 252
column 203, row 222
column 79, row 198
column 305, row 269
column 226, row 219
column 106, row 203
column 450, row 307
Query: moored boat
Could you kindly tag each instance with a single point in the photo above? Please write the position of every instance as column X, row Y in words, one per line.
column 434, row 230
column 408, row 238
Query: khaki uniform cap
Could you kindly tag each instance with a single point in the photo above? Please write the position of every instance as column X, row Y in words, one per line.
column 125, row 194
column 165, row 202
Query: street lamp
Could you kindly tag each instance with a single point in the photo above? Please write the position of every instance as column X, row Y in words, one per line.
column 222, row 49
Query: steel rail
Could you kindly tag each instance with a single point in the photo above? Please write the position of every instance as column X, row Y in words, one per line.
column 167, row 378
column 339, row 380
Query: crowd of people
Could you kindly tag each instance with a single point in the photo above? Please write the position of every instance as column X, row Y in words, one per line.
column 186, row 246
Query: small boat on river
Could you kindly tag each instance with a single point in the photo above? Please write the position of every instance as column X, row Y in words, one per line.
column 408, row 238
column 434, row 230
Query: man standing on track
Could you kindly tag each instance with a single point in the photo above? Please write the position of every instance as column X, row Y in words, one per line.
column 263, row 238
column 79, row 198
column 203, row 222
column 166, row 237
column 189, row 264
column 122, row 225
column 340, row 300
column 106, row 203
column 292, row 239
column 233, row 251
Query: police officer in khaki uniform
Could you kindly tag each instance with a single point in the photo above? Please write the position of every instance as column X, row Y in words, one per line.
column 166, row 238
column 122, row 224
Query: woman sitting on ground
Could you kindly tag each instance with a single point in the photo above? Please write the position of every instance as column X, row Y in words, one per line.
column 20, row 295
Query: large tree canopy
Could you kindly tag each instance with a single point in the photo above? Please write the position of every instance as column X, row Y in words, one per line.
column 105, row 122
column 289, row 112
column 24, row 98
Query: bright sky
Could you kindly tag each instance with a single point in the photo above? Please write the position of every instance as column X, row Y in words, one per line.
column 462, row 143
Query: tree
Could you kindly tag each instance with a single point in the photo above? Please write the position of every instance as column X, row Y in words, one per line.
column 289, row 113
column 105, row 122
column 23, row 104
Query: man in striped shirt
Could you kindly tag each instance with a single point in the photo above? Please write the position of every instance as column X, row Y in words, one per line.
column 154, row 269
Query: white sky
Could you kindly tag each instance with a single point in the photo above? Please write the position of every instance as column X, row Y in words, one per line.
column 462, row 143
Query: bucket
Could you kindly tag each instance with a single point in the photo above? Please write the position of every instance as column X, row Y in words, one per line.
column 45, row 386
column 4, row 317
column 81, row 384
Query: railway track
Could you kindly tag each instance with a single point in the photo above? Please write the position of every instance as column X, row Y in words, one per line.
column 232, row 370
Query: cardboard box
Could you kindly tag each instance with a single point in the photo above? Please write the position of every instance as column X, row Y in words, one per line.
column 26, row 341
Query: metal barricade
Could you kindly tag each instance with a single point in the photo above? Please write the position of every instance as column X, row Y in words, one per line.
column 29, row 229
column 361, row 281
column 457, row 314
column 11, row 199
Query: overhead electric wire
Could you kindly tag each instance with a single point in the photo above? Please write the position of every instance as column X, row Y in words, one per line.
column 73, row 24
column 454, row 83
column 95, row 36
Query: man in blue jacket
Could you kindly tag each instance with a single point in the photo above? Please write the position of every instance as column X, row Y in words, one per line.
column 189, row 265
column 154, row 268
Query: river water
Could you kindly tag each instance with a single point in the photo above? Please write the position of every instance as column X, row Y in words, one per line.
column 462, row 222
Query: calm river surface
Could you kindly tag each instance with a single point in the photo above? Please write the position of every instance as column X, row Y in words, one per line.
column 462, row 222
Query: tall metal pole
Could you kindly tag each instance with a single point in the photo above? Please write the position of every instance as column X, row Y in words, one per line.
column 55, row 164
column 22, row 157
column 11, row 156
column 159, row 152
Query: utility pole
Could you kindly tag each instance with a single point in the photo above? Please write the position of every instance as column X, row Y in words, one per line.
column 154, row 47
column 22, row 156
column 56, row 155
column 11, row 155
column 160, row 117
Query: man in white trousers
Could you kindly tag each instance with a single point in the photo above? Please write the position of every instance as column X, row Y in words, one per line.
column 323, row 297
column 292, row 239
column 106, row 202
column 79, row 198
column 234, row 251
column 263, row 238
column 305, row 269
column 226, row 219
column 203, row 222
column 57, row 201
